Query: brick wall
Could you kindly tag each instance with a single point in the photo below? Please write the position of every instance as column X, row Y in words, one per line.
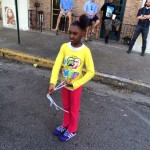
column 131, row 9
column 45, row 6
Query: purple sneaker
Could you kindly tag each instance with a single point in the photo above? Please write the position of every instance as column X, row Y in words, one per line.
column 67, row 136
column 59, row 130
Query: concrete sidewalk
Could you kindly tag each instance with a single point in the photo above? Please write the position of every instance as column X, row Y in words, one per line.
column 112, row 63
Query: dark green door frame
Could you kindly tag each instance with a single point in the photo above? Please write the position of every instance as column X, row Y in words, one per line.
column 55, row 12
column 120, row 8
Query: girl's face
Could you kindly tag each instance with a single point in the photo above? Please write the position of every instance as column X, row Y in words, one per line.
column 75, row 35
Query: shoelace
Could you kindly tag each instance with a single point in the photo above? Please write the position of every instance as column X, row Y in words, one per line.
column 52, row 102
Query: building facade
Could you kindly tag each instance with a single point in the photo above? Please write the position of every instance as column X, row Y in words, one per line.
column 0, row 9
column 9, row 14
column 37, row 14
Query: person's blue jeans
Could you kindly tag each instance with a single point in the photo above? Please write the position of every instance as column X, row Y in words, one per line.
column 144, row 31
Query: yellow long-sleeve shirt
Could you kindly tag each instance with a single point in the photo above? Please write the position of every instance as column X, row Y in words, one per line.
column 73, row 60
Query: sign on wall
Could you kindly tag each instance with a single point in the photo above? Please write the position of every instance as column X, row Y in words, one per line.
column 9, row 14
column 9, row 18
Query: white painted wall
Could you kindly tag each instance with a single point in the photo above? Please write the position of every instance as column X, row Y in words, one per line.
column 138, row 44
column 9, row 14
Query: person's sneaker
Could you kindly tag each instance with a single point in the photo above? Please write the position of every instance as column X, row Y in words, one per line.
column 59, row 130
column 128, row 51
column 142, row 54
column 67, row 136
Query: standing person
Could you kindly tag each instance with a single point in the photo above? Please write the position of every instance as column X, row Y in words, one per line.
column 107, row 11
column 91, row 10
column 66, row 7
column 142, row 26
column 73, row 55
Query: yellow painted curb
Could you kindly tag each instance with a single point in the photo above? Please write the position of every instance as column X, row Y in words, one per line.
column 8, row 53
column 104, row 78
column 26, row 58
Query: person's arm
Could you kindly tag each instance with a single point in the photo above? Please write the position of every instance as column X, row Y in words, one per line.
column 95, row 10
column 141, row 16
column 61, row 6
column 90, row 71
column 86, row 9
column 51, row 88
column 101, row 11
column 146, row 16
column 71, row 7
column 93, row 15
column 113, row 13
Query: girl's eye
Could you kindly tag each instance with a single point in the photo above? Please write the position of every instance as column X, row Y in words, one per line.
column 74, row 33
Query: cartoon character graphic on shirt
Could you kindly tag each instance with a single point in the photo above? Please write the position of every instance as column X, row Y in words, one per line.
column 70, row 65
column 74, row 62
column 109, row 11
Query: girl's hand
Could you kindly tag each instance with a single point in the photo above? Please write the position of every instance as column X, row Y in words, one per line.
column 51, row 88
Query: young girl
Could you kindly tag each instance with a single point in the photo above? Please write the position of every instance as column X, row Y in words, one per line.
column 73, row 55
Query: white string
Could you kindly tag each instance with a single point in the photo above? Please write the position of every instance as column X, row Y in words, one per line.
column 60, row 85
column 52, row 102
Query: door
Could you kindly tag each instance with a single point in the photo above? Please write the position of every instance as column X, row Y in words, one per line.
column 55, row 12
column 120, row 8
column 0, row 9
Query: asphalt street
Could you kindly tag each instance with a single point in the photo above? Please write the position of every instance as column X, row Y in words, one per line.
column 110, row 118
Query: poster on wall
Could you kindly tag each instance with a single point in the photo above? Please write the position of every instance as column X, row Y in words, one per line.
column 9, row 18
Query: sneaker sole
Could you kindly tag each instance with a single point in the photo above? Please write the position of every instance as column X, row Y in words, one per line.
column 66, row 139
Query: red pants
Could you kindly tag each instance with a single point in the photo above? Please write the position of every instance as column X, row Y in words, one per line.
column 71, row 103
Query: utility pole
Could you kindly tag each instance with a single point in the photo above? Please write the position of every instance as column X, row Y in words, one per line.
column 17, row 19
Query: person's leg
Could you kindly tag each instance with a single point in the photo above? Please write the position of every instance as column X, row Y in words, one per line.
column 97, row 22
column 106, row 35
column 70, row 19
column 135, row 36
column 66, row 106
column 144, row 39
column 116, row 27
column 87, row 29
column 86, row 34
column 58, row 20
column 108, row 28
column 74, row 109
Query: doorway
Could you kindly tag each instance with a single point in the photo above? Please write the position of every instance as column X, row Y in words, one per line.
column 1, row 22
column 55, row 12
column 120, row 8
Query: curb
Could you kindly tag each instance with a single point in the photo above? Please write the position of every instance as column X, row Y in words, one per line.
column 140, row 87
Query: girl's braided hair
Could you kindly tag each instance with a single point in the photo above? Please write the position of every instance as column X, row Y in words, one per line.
column 82, row 22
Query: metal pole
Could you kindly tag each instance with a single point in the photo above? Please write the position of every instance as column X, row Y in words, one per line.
column 17, row 19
